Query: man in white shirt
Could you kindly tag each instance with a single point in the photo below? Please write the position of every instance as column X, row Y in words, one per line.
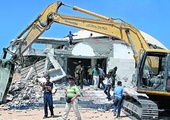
column 108, row 86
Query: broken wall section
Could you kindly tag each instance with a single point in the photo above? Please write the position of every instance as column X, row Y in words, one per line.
column 27, row 92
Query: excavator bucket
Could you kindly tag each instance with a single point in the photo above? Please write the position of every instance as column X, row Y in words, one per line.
column 6, row 73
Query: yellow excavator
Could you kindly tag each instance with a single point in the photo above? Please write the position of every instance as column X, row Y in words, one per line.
column 152, row 75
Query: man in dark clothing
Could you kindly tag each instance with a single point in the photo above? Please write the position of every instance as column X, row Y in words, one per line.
column 81, row 76
column 101, row 77
column 112, row 73
column 89, row 75
column 47, row 88
column 76, row 73
column 70, row 36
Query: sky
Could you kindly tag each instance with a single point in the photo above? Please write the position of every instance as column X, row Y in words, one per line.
column 150, row 16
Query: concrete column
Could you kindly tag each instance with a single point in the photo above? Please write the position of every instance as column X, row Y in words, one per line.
column 65, row 69
column 93, row 62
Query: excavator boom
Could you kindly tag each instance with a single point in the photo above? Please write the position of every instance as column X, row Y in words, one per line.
column 102, row 24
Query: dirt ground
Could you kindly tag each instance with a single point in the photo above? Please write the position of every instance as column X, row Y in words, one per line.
column 37, row 114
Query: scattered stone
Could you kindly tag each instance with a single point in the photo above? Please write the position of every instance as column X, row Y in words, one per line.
column 25, row 94
column 101, row 110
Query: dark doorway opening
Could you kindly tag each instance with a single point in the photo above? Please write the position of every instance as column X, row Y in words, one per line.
column 103, row 63
column 73, row 62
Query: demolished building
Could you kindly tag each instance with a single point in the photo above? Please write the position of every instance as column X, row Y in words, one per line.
column 59, row 59
column 101, row 49
column 106, row 51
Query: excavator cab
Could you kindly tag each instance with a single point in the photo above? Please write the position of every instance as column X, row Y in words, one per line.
column 154, row 77
column 168, row 73
column 153, row 72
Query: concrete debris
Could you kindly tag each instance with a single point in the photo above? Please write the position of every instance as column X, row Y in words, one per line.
column 28, row 94
column 101, row 110
column 25, row 94
column 28, row 91
column 10, row 97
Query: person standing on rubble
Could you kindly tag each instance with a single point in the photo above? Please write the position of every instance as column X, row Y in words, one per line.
column 117, row 95
column 70, row 36
column 76, row 73
column 48, row 99
column 89, row 75
column 95, row 75
column 72, row 92
column 108, row 86
column 91, row 34
column 112, row 73
column 101, row 77
column 81, row 76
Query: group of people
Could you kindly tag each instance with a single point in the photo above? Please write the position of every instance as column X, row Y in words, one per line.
column 96, row 76
column 99, row 76
column 72, row 92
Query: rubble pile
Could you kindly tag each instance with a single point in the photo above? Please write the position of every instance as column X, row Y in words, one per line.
column 25, row 94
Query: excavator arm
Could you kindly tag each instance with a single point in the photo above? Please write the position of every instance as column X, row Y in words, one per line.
column 101, row 24
column 35, row 29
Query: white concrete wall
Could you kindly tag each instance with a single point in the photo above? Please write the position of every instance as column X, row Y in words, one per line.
column 126, row 68
column 83, row 50
column 122, row 51
column 123, row 59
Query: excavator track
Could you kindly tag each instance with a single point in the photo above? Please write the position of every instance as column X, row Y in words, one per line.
column 141, row 107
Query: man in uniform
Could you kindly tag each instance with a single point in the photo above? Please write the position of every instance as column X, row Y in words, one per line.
column 81, row 76
column 112, row 73
column 76, row 73
column 89, row 75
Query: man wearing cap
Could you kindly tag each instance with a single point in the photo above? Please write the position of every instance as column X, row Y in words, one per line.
column 72, row 92
column 48, row 99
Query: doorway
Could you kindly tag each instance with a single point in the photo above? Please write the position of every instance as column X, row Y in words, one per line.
column 73, row 62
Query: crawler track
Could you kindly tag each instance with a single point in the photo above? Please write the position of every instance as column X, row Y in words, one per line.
column 141, row 107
